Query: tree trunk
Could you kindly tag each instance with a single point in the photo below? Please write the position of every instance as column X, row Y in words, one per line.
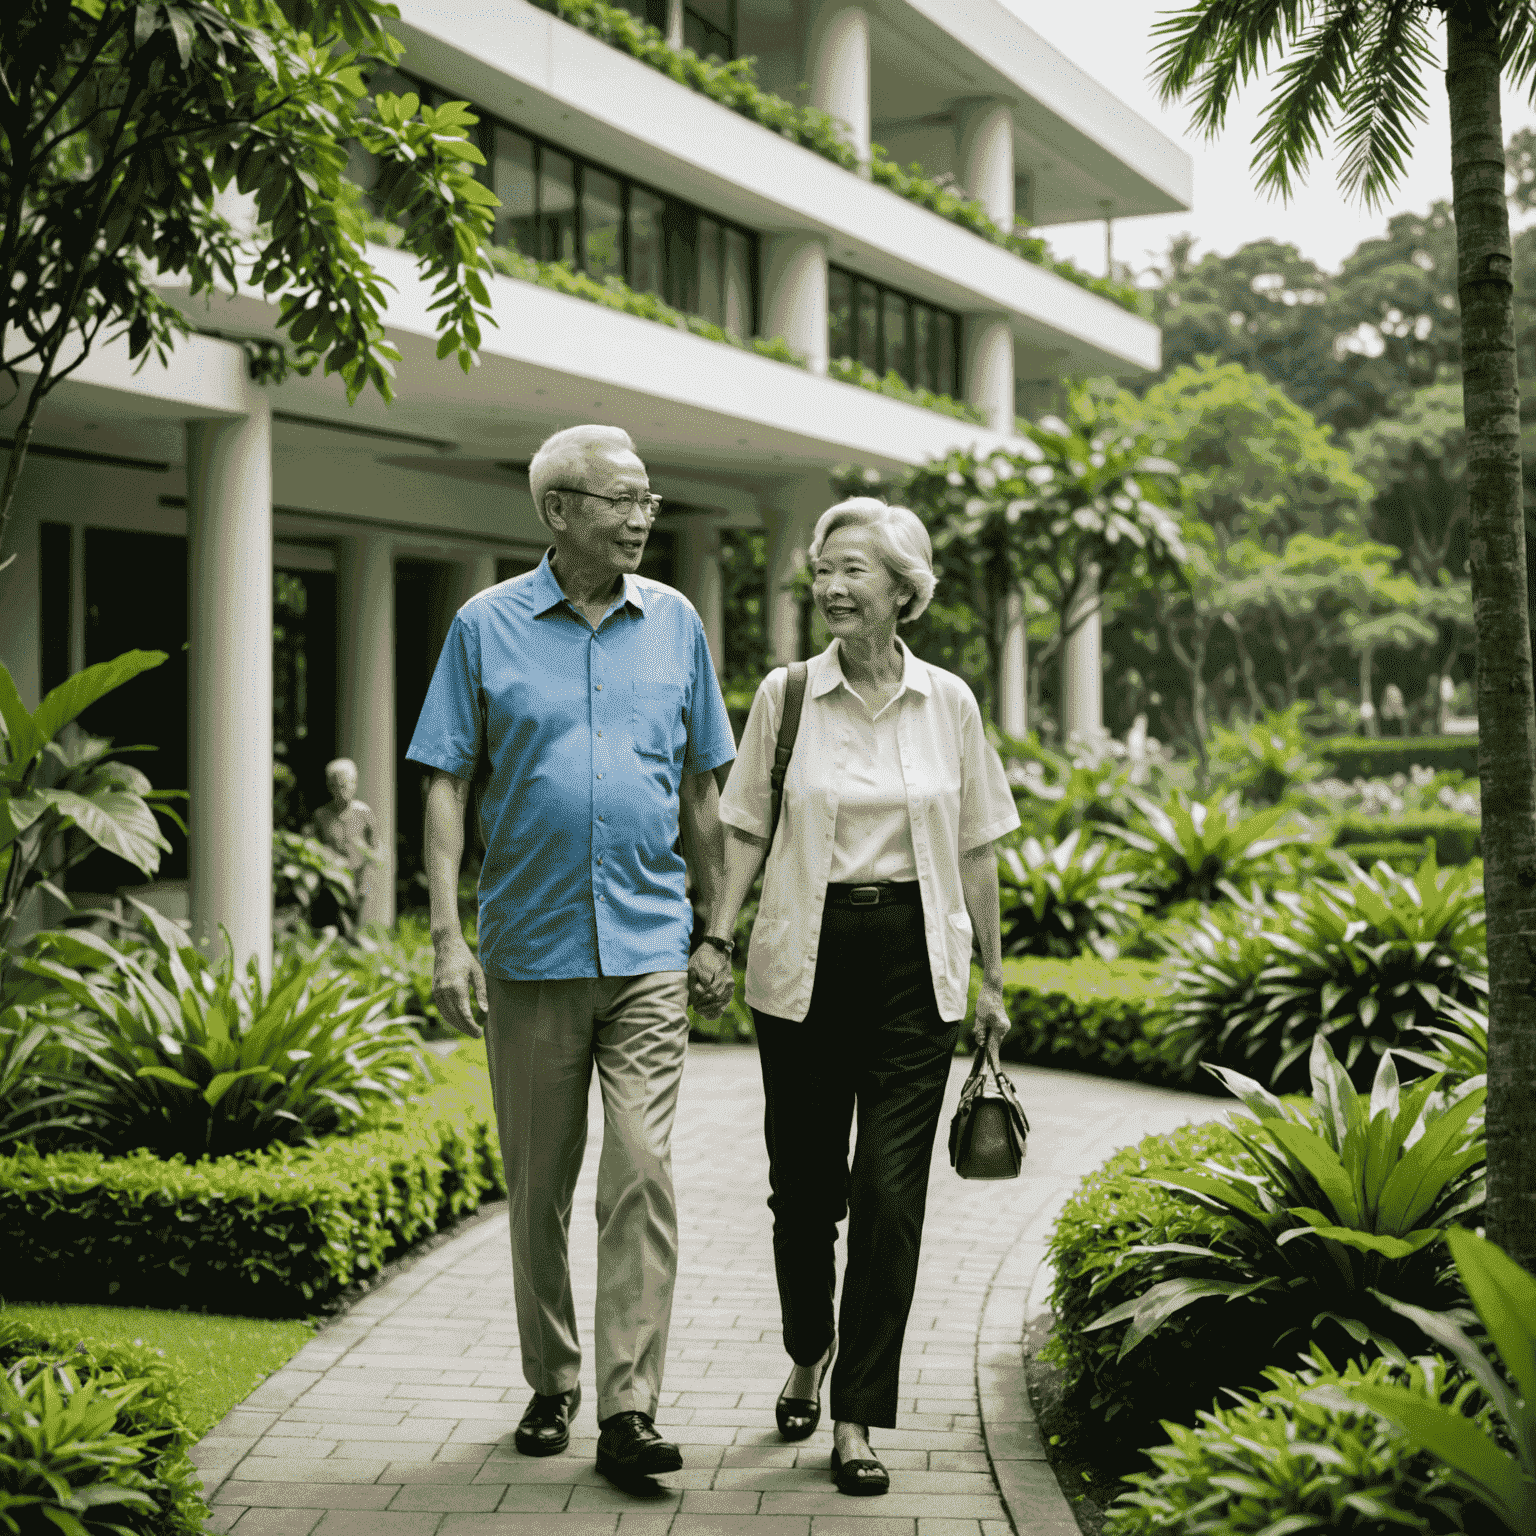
column 1506, row 719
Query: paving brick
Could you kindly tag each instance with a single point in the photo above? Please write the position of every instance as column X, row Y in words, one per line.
column 352, row 1522
column 278, row 1522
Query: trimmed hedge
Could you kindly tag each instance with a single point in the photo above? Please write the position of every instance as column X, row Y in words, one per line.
column 175, row 1485
column 271, row 1233
column 1379, row 757
column 1093, row 1015
column 1457, row 838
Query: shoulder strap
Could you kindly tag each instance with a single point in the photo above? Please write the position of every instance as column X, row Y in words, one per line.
column 784, row 748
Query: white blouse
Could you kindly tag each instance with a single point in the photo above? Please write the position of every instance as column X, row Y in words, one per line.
column 955, row 797
column 873, row 836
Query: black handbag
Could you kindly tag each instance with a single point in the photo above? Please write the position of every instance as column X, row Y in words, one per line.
column 987, row 1135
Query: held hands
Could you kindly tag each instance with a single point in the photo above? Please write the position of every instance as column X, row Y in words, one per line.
column 991, row 1019
column 711, row 981
column 458, row 985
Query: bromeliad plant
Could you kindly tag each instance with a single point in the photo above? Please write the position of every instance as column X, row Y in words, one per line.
column 1360, row 962
column 1501, row 1478
column 1339, row 1212
column 1185, row 850
column 1061, row 898
column 1267, row 760
column 191, row 1057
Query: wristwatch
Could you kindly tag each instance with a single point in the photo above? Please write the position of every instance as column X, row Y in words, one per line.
column 726, row 947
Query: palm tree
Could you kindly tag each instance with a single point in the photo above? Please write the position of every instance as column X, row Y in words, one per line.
column 1358, row 68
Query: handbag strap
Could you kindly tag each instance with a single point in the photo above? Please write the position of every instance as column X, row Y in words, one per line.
column 789, row 729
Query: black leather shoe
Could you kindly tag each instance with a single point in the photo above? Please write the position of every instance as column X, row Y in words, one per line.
column 860, row 1478
column 628, row 1448
column 799, row 1416
column 545, row 1428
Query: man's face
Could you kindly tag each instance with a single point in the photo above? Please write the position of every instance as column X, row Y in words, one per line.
column 601, row 535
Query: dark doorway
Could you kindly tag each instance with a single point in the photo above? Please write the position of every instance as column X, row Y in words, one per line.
column 423, row 592
column 136, row 598
column 303, row 690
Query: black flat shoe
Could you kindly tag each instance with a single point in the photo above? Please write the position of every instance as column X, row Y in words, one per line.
column 861, row 1478
column 629, row 1449
column 545, row 1428
column 799, row 1416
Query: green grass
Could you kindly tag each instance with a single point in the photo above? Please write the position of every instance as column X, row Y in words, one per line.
column 217, row 1360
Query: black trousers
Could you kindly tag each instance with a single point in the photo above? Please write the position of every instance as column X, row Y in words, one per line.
column 872, row 1044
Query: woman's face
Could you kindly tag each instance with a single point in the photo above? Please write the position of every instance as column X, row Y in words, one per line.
column 852, row 586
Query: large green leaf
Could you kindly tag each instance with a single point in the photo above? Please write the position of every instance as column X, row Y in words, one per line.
column 76, row 694
column 17, row 813
column 1308, row 1150
column 1426, row 1169
column 1367, row 1242
column 1158, row 1303
column 116, row 820
column 22, row 736
column 1505, row 1298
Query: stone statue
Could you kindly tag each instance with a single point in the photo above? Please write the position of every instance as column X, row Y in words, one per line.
column 346, row 826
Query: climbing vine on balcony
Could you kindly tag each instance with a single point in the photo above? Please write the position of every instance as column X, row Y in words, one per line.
column 850, row 371
column 735, row 85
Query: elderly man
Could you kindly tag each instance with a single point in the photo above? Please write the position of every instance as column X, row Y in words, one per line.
column 582, row 701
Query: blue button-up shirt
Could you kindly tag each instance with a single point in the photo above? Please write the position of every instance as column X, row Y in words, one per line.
column 578, row 739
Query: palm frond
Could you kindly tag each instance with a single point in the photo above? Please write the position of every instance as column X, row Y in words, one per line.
column 1383, row 103
column 1517, row 46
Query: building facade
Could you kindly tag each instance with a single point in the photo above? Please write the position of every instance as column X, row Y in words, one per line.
column 282, row 546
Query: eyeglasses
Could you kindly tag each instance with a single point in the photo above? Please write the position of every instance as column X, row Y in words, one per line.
column 648, row 504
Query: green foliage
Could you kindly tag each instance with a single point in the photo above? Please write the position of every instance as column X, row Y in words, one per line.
column 1061, row 898
column 192, row 1058
column 62, row 794
column 45, row 1090
column 1457, row 839
column 1336, row 1212
column 271, row 1233
column 1281, row 1461
column 1088, row 784
column 1183, row 851
column 1093, row 1015
column 1264, row 761
column 1379, row 757
column 148, row 1413
column 1455, row 1046
column 850, row 371
column 1357, row 963
column 302, row 867
column 1501, row 1480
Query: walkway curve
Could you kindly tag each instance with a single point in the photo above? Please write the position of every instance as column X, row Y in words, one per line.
column 396, row 1420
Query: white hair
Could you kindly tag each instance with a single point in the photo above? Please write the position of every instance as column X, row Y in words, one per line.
column 904, row 545
column 568, row 455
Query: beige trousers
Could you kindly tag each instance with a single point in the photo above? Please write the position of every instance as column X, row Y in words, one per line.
column 542, row 1040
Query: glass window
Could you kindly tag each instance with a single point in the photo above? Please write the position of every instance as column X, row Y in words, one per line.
column 682, row 225
column 739, row 319
column 557, row 207
column 839, row 313
column 894, row 334
column 946, row 355
column 653, row 11
column 602, row 223
column 710, row 272
column 709, row 27
column 869, row 326
column 647, row 247
column 923, row 320
column 512, row 180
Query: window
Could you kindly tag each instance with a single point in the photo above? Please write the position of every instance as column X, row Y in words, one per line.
column 891, row 332
column 709, row 28
column 556, row 207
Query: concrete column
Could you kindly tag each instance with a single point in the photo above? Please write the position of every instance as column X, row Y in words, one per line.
column 794, row 271
column 791, row 520
column 988, row 344
column 365, row 697
column 1013, row 677
column 837, row 65
column 986, row 158
column 699, row 579
column 674, row 23
column 229, row 633
column 475, row 576
column 1082, row 671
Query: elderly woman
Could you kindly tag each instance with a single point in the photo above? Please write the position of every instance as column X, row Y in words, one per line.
column 881, row 871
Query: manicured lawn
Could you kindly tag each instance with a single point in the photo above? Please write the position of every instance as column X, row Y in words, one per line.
column 219, row 1359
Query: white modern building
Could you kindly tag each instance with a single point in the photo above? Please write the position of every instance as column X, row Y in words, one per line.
column 230, row 523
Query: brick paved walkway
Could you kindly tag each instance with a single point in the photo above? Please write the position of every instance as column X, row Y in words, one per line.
column 397, row 1420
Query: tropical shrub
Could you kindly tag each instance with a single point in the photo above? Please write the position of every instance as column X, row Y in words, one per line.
column 192, row 1058
column 62, row 794
column 1061, row 898
column 1091, row 784
column 849, row 370
column 45, row 1094
column 1456, row 1048
column 302, row 867
column 1326, row 1210
column 150, row 1416
column 1499, row 1477
column 1359, row 962
column 1185, row 850
column 1280, row 1460
column 270, row 1233
column 1379, row 757
column 1262, row 762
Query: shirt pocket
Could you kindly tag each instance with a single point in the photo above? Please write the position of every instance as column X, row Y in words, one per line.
column 658, row 727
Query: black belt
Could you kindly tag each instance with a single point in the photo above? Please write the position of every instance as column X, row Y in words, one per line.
column 889, row 893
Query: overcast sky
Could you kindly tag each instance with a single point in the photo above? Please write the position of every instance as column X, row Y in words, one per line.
column 1111, row 40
